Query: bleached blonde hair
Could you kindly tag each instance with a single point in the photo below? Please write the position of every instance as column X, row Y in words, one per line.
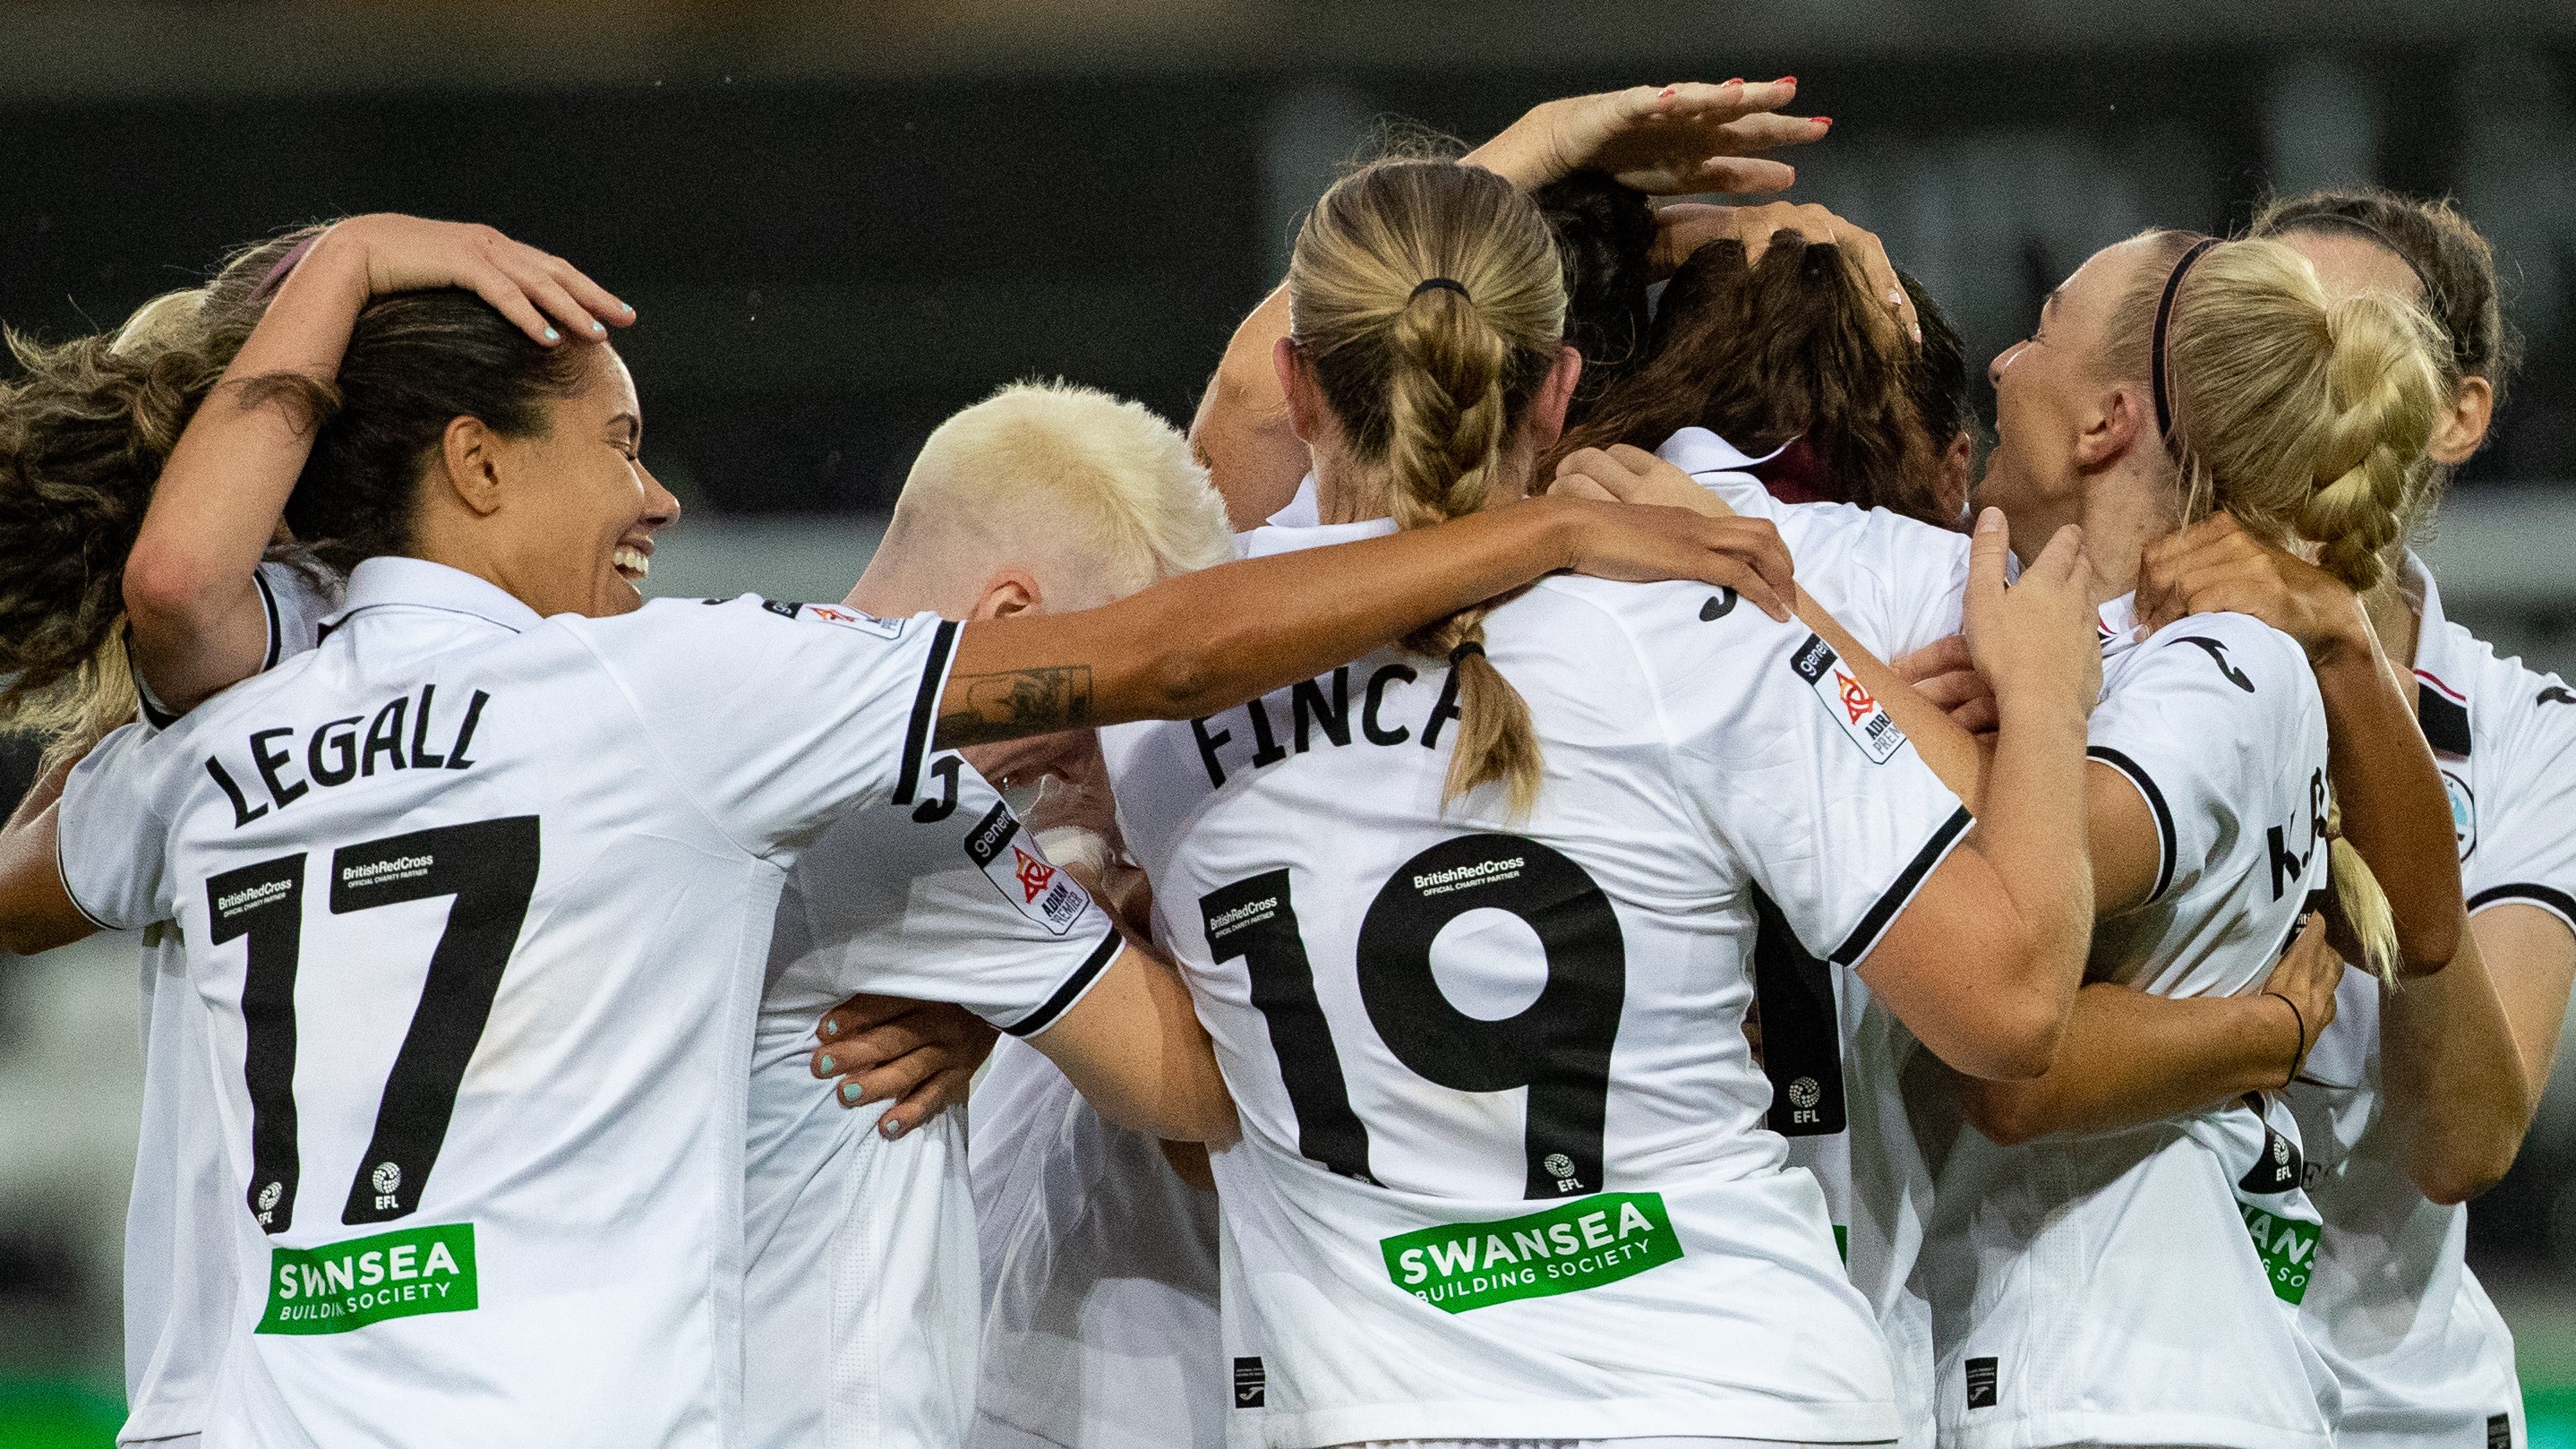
column 1112, row 483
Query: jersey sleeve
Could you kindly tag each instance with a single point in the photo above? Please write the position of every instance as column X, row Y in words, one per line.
column 779, row 718
column 111, row 843
column 980, row 916
column 2199, row 724
column 1926, row 578
column 2526, row 841
column 1801, row 775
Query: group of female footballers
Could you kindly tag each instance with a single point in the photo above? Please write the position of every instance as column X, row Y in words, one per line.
column 1636, row 892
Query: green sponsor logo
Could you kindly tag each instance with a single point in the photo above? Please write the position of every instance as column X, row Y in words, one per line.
column 2288, row 1248
column 341, row 1286
column 1568, row 1248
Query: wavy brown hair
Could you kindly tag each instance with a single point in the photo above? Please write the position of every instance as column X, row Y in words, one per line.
column 85, row 428
column 1792, row 347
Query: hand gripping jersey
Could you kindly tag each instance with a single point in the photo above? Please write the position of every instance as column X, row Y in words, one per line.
column 479, row 903
column 1100, row 1276
column 178, row 1239
column 2135, row 1287
column 1896, row 583
column 860, row 1304
column 1503, row 1173
column 2419, row 1350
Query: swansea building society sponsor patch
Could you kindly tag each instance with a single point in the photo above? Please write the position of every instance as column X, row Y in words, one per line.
column 1853, row 707
column 1035, row 887
column 342, row 1286
column 1566, row 1249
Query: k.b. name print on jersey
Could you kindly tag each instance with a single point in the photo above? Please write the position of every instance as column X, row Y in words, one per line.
column 337, row 751
column 1459, row 1267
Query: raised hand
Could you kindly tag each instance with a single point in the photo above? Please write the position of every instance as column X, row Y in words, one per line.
column 1683, row 227
column 2036, row 639
column 2215, row 566
column 1675, row 140
column 2306, row 978
column 545, row 295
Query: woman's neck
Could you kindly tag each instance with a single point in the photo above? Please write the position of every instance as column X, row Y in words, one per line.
column 2122, row 515
column 2395, row 616
column 1345, row 492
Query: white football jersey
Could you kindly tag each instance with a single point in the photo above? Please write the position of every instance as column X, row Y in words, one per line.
column 555, row 848
column 1503, row 1172
column 2132, row 1287
column 1897, row 584
column 2421, row 1354
column 860, row 1302
column 179, row 1272
column 1101, row 1328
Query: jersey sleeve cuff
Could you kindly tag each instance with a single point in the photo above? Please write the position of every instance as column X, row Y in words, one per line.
column 1909, row 880
column 2557, row 902
column 1072, row 990
column 2138, row 776
column 925, row 710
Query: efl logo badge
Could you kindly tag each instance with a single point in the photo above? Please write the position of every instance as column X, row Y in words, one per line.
column 1035, row 888
column 1850, row 703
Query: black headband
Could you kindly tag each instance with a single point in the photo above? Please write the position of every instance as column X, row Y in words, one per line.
column 2156, row 341
column 1442, row 284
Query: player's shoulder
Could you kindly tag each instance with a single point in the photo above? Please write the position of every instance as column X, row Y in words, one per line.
column 2474, row 700
column 2225, row 652
column 665, row 625
column 1668, row 622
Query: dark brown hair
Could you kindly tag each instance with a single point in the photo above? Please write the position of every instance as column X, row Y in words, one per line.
column 417, row 361
column 2453, row 262
column 1792, row 347
column 85, row 429
column 1605, row 233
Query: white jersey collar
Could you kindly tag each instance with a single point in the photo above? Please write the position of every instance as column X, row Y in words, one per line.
column 418, row 583
column 1306, row 510
column 2432, row 661
column 1270, row 539
column 2117, row 624
column 1697, row 450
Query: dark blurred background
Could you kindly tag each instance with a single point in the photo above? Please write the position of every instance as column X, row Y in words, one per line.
column 840, row 222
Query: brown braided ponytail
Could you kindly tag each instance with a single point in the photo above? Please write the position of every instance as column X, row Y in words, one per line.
column 1429, row 301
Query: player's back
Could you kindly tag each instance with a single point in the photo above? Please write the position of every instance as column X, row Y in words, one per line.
column 478, row 903
column 1503, row 1170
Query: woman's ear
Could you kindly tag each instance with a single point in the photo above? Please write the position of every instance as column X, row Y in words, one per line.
column 1307, row 409
column 2116, row 425
column 1547, row 411
column 1011, row 590
column 2463, row 426
column 1958, row 470
column 468, row 452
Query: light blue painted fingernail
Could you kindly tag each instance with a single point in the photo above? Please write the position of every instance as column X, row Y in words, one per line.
column 598, row 326
column 553, row 336
column 625, row 306
column 891, row 1128
column 830, row 1070
column 850, row 1093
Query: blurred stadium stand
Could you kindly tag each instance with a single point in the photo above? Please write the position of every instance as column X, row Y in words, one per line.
column 841, row 221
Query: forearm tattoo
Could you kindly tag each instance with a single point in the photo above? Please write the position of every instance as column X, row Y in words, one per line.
column 1015, row 704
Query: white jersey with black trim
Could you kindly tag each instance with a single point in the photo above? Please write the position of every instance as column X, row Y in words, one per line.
column 860, row 1302
column 554, row 848
column 1101, row 1328
column 2421, row 1354
column 2136, row 1287
column 179, row 1272
column 1836, row 1058
column 1503, row 1173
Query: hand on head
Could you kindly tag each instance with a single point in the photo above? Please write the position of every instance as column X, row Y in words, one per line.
column 1675, row 140
column 545, row 295
column 1683, row 227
